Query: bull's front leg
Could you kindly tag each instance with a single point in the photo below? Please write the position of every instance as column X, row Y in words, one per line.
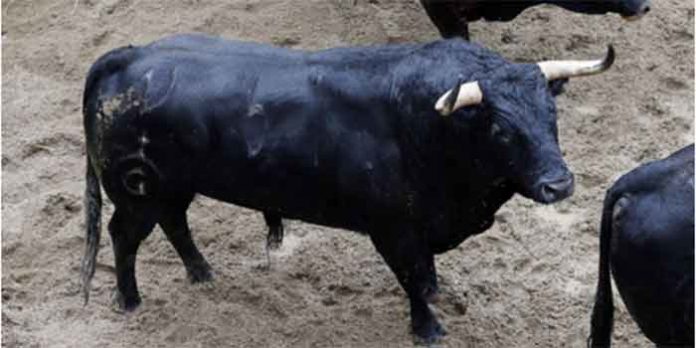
column 407, row 254
column 448, row 18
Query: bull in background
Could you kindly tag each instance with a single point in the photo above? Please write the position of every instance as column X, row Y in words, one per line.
column 452, row 17
column 352, row 138
column 647, row 240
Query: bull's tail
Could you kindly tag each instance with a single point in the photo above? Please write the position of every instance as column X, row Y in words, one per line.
column 109, row 63
column 105, row 66
column 603, row 311
column 93, row 204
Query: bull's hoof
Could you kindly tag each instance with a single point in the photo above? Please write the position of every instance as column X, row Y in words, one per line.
column 199, row 274
column 125, row 304
column 274, row 243
column 429, row 334
column 205, row 287
column 275, row 237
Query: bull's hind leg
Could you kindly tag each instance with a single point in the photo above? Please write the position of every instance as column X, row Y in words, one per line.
column 274, row 238
column 128, row 228
column 175, row 225
column 275, row 230
column 407, row 255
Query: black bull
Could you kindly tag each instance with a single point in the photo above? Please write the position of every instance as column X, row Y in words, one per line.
column 647, row 240
column 343, row 137
column 451, row 17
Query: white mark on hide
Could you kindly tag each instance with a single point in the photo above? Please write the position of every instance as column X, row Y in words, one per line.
column 256, row 109
column 153, row 101
column 254, row 151
column 148, row 76
column 143, row 140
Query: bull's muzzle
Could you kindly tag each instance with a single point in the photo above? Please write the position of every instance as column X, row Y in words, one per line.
column 642, row 11
column 554, row 190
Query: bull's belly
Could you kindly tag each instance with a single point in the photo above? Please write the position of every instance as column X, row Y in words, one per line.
column 355, row 204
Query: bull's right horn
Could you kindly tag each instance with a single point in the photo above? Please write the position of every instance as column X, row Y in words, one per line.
column 558, row 69
column 466, row 94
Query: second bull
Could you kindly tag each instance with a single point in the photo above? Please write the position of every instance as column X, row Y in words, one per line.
column 452, row 17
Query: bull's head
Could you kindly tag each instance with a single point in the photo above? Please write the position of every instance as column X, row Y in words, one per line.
column 633, row 9
column 519, row 118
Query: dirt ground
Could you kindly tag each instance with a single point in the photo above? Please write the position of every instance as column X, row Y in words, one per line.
column 527, row 282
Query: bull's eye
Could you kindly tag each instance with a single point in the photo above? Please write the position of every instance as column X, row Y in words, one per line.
column 498, row 133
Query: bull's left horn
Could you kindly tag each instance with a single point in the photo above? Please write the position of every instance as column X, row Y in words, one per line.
column 466, row 94
column 558, row 69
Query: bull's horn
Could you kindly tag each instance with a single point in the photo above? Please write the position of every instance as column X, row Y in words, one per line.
column 558, row 69
column 467, row 94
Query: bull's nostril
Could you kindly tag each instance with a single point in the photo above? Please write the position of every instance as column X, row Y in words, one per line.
column 548, row 191
column 551, row 191
column 646, row 9
column 558, row 185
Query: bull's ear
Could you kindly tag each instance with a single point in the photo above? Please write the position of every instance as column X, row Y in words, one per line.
column 557, row 86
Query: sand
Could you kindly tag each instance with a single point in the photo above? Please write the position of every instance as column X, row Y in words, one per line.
column 527, row 282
